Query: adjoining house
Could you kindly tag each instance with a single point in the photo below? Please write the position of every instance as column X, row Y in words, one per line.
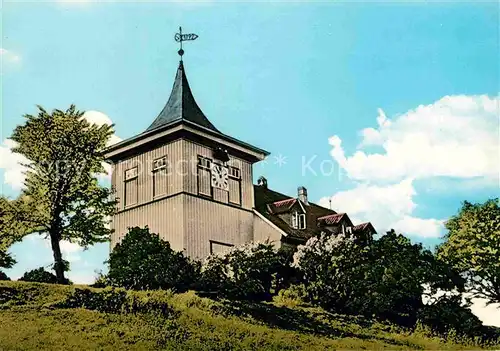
column 192, row 184
column 296, row 219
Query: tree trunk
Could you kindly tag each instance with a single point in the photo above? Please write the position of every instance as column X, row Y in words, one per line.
column 58, row 261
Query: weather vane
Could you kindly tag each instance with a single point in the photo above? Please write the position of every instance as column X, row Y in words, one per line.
column 179, row 37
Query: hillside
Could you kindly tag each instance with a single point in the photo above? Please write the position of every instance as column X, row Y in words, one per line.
column 43, row 316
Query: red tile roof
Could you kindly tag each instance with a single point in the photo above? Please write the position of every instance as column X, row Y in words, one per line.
column 281, row 206
column 270, row 204
column 333, row 219
column 363, row 227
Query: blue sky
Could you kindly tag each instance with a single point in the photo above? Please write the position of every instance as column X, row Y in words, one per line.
column 400, row 99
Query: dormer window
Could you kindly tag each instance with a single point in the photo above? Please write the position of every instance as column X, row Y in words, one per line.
column 299, row 220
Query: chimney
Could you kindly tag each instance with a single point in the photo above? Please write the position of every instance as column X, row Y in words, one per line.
column 262, row 182
column 302, row 194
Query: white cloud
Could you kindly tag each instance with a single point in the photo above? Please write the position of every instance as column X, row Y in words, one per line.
column 386, row 207
column 12, row 162
column 488, row 314
column 452, row 141
column 9, row 57
column 70, row 251
column 100, row 118
column 81, row 278
column 457, row 136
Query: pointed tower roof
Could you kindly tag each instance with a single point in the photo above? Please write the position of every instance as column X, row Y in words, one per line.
column 182, row 117
column 181, row 105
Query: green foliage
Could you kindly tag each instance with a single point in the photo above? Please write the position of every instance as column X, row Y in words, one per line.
column 40, row 275
column 397, row 271
column 385, row 280
column 101, row 281
column 112, row 300
column 62, row 197
column 334, row 269
column 3, row 276
column 6, row 260
column 472, row 246
column 15, row 221
column 195, row 324
column 143, row 261
column 294, row 295
column 449, row 314
column 244, row 272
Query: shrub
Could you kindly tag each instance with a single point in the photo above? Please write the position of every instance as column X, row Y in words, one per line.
column 40, row 275
column 397, row 271
column 101, row 281
column 293, row 296
column 6, row 259
column 244, row 272
column 143, row 261
column 333, row 271
column 117, row 300
column 449, row 314
column 3, row 276
column 384, row 280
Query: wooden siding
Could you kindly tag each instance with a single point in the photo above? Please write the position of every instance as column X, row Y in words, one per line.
column 204, row 185
column 129, row 145
column 264, row 231
column 206, row 220
column 191, row 153
column 173, row 151
column 188, row 221
column 130, row 194
column 164, row 217
column 234, row 191
column 160, row 182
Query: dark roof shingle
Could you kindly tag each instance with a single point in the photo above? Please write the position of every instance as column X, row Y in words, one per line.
column 181, row 105
column 265, row 196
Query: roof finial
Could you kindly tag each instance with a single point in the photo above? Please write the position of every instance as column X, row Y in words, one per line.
column 179, row 37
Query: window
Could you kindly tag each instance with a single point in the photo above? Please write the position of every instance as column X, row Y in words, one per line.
column 160, row 173
column 204, row 162
column 348, row 230
column 234, row 173
column 234, row 186
column 131, row 193
column 204, row 176
column 159, row 163
column 131, row 173
column 299, row 220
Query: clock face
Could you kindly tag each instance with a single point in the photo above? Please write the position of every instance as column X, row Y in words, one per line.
column 220, row 177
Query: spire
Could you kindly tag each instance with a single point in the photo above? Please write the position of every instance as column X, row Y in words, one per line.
column 181, row 105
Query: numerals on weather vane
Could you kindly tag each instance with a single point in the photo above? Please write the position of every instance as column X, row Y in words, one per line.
column 179, row 37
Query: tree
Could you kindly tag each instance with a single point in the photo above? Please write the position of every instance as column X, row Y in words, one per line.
column 398, row 273
column 472, row 246
column 62, row 198
column 40, row 275
column 385, row 279
column 17, row 217
column 143, row 261
column 450, row 313
column 3, row 276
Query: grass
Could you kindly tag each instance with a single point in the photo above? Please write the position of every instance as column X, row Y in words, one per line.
column 33, row 317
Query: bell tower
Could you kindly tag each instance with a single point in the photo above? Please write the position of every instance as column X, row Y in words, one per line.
column 185, row 179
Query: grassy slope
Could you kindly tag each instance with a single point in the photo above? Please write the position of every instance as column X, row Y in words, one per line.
column 32, row 323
